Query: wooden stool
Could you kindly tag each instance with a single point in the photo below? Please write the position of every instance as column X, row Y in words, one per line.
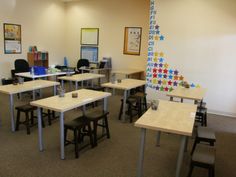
column 94, row 117
column 26, row 109
column 203, row 156
column 77, row 125
column 206, row 135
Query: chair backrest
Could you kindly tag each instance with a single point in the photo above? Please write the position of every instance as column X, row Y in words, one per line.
column 21, row 65
column 102, row 64
column 82, row 62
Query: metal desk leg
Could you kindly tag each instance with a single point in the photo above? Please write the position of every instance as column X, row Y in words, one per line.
column 54, row 90
column 180, row 156
column 12, row 113
column 141, row 153
column 124, row 105
column 158, row 138
column 62, row 135
column 33, row 94
column 40, row 129
column 70, row 85
column 82, row 84
column 76, row 85
column 62, row 83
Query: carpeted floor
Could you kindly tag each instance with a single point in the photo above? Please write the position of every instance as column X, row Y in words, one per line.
column 115, row 157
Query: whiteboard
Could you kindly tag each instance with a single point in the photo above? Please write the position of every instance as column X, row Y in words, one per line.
column 89, row 36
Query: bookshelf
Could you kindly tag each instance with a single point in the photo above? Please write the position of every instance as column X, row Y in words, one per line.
column 38, row 59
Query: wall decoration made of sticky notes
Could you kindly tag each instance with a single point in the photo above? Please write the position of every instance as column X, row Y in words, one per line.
column 159, row 73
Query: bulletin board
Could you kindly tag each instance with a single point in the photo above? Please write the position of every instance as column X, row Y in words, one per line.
column 12, row 38
column 89, row 36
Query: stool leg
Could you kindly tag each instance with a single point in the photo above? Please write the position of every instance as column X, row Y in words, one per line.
column 121, row 108
column 145, row 103
column 90, row 135
column 190, row 170
column 194, row 145
column 17, row 120
column 27, row 122
column 107, row 127
column 76, row 143
column 32, row 117
column 95, row 125
column 65, row 135
column 49, row 117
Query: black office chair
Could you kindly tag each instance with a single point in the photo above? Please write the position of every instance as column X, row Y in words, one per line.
column 21, row 65
column 82, row 63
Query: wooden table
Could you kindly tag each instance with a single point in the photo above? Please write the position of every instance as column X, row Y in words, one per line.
column 170, row 117
column 128, row 72
column 80, row 78
column 195, row 94
column 66, row 103
column 26, row 86
column 126, row 85
column 33, row 76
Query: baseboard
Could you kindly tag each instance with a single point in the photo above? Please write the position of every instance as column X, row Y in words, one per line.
column 221, row 113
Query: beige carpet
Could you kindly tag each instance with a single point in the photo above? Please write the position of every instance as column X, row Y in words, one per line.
column 115, row 157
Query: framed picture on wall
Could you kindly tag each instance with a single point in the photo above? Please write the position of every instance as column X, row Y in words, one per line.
column 12, row 38
column 132, row 40
column 89, row 36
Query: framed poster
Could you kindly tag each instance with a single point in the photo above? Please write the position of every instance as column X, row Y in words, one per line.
column 132, row 40
column 12, row 38
column 89, row 36
column 90, row 53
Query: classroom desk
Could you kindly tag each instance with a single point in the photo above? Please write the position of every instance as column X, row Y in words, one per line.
column 106, row 71
column 33, row 76
column 26, row 86
column 170, row 117
column 80, row 78
column 66, row 103
column 126, row 85
column 195, row 94
column 128, row 72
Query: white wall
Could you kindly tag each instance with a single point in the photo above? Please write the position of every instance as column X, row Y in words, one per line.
column 110, row 17
column 42, row 24
column 200, row 40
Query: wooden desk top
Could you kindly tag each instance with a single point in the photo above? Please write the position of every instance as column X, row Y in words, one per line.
column 28, row 75
column 62, row 104
column 81, row 77
column 126, row 84
column 170, row 117
column 188, row 93
column 27, row 86
column 127, row 71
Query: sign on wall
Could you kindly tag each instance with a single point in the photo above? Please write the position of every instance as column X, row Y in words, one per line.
column 159, row 75
column 132, row 40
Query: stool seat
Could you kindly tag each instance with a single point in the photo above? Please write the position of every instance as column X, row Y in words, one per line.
column 205, row 132
column 94, row 117
column 204, row 157
column 26, row 108
column 77, row 125
column 206, row 135
column 204, row 154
